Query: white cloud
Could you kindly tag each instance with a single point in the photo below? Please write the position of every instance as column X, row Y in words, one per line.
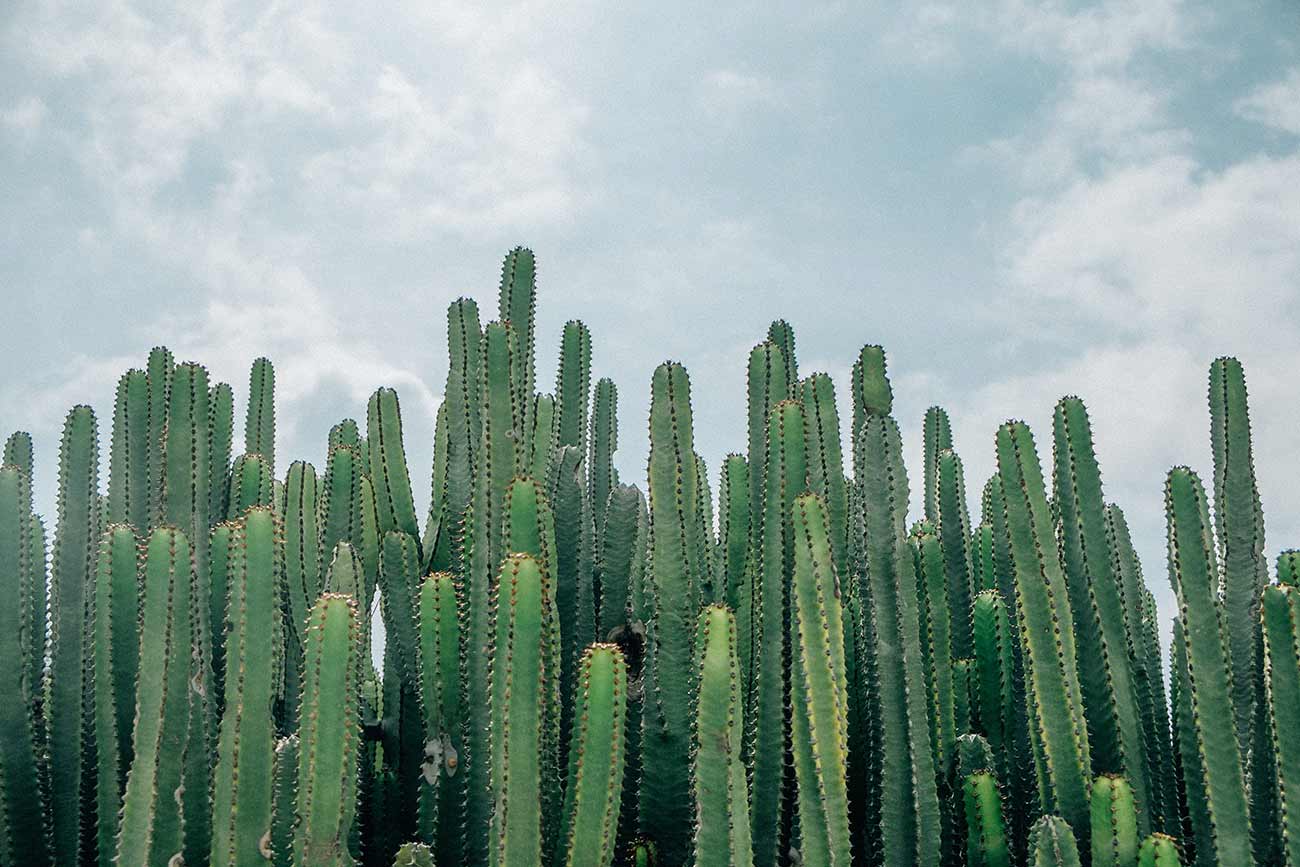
column 25, row 117
column 733, row 91
column 1276, row 104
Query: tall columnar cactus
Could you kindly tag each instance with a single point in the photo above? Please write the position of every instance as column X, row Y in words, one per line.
column 1281, row 617
column 251, row 484
column 339, row 506
column 284, row 800
column 159, row 375
column 593, row 794
column 517, row 306
column 462, row 408
column 766, row 386
column 540, row 436
column 404, row 727
column 1194, row 823
column 907, row 795
column 718, row 779
column 936, row 437
column 150, row 829
column 936, row 643
column 769, row 623
column 571, row 564
column 818, row 690
column 986, row 833
column 707, row 554
column 24, row 827
column 1097, row 603
column 616, row 552
column 573, row 386
column 1052, row 844
column 439, row 530
column 955, row 539
column 601, row 475
column 781, row 334
column 221, row 437
column 1159, row 850
column 521, row 699
column 128, row 459
column 243, row 780
column 1239, row 529
column 826, row 461
column 441, row 806
column 302, row 573
column 674, row 583
column 1141, row 622
column 74, row 558
column 1114, row 823
column 114, row 614
column 328, row 735
column 18, row 450
column 1056, row 721
column 259, row 423
column 734, row 528
column 1193, row 573
column 388, row 473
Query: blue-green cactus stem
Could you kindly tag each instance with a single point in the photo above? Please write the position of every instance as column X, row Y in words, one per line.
column 441, row 809
column 251, row 484
column 159, row 374
column 1114, row 823
column 766, row 387
column 615, row 554
column 388, row 473
column 1159, row 850
column 601, row 474
column 596, row 757
column 826, row 461
column 128, row 457
column 954, row 537
column 573, row 386
column 285, row 800
column 221, row 437
column 734, row 528
column 781, row 334
column 986, row 833
column 1052, row 844
column 1281, row 617
column 517, row 306
column 936, row 437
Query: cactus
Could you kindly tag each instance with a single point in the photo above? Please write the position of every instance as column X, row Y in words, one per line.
column 570, row 562
column 302, row 574
column 826, row 462
column 592, row 796
column 1193, row 573
column 243, row 781
column 150, row 829
column 770, row 624
column 221, row 435
column 986, row 835
column 936, row 643
column 734, row 528
column 251, row 484
column 766, row 387
column 573, row 387
column 404, row 728
column 413, row 855
column 616, row 552
column 1057, row 726
column 284, row 799
column 21, row 805
column 128, row 461
column 1282, row 670
column 442, row 792
column 392, row 482
column 1114, row 823
column 908, row 798
column 1052, row 844
column 601, row 475
column 158, row 373
column 818, row 690
column 74, row 557
column 1159, row 850
column 936, row 438
column 673, row 581
column 517, row 308
column 782, row 335
column 721, row 796
column 521, row 698
column 328, row 736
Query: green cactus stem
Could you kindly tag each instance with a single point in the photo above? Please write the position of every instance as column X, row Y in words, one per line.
column 781, row 334
column 592, row 796
column 221, row 437
column 251, row 484
column 442, row 787
column 1052, row 844
column 285, row 800
column 570, row 561
column 1114, row 823
column 128, row 458
column 414, row 855
column 1193, row 573
column 826, row 461
column 517, row 306
column 936, row 437
column 986, row 834
column 954, row 537
column 573, row 386
column 388, row 473
column 601, row 475
column 615, row 554
column 328, row 736
column 936, row 644
column 159, row 374
column 150, row 829
column 1159, row 850
column 243, row 780
column 766, row 387
column 1281, row 618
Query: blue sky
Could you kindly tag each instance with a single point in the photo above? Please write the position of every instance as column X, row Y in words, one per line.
column 1019, row 200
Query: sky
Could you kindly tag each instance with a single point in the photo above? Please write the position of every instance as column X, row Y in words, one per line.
column 1018, row 200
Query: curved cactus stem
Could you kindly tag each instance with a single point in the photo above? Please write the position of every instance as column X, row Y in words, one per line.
column 1097, row 604
column 522, row 696
column 150, row 826
column 1114, row 823
column 1194, row 576
column 328, row 736
column 1052, row 844
column 819, row 730
column 388, row 473
column 74, row 556
column 1159, row 850
column 592, row 797
column 673, row 582
column 243, row 780
column 23, row 828
column 441, row 818
column 1056, row 721
column 986, row 833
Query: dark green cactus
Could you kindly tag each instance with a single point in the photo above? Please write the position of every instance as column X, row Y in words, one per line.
column 18, row 447
column 826, row 461
column 388, row 473
column 615, row 554
column 954, row 537
column 782, row 335
column 819, row 698
column 442, row 787
column 766, row 387
column 937, row 437
column 986, row 834
column 128, row 460
column 540, row 436
column 908, row 797
column 243, row 780
column 596, row 756
column 1114, row 823
column 159, row 375
column 1097, row 603
column 570, row 561
column 1193, row 573
column 936, row 643
column 718, row 779
column 221, row 437
column 284, row 800
column 601, row 475
column 21, row 804
column 1159, row 850
column 150, row 829
column 1194, row 823
column 1281, row 618
column 1052, row 844
column 302, row 574
column 523, row 685
column 259, row 423
column 673, row 581
column 573, row 386
column 1056, row 722
column 734, row 528
column 517, row 306
column 74, row 557
column 328, row 735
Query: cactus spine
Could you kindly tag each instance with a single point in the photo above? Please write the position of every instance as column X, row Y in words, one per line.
column 1114, row 823
column 1052, row 844
column 601, row 475
column 1281, row 618
column 1159, row 850
column 442, row 789
column 592, row 797
column 986, row 835
column 388, row 473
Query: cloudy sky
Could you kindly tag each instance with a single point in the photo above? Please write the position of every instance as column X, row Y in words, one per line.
column 1019, row 202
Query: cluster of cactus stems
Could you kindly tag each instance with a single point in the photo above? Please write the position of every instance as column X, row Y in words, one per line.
column 581, row 672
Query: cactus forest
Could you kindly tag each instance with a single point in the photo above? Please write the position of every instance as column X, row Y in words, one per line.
column 585, row 670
